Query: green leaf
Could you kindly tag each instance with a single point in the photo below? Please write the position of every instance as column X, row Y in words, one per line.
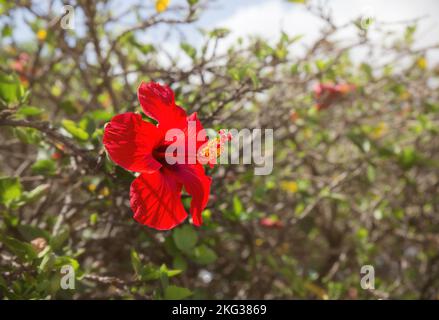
column 47, row 262
column 29, row 232
column 35, row 194
column 30, row 111
column 204, row 255
column 149, row 272
column 6, row 31
column 58, row 240
column 68, row 106
column 44, row 166
column 409, row 33
column 10, row 190
column 147, row 48
column 27, row 135
column 219, row 33
column 179, row 262
column 135, row 262
column 185, row 238
column 74, row 130
column 408, row 158
column 362, row 233
column 237, row 206
column 169, row 272
column 164, row 280
column 3, row 284
column 294, row 69
column 101, row 115
column 170, row 247
column 87, row 124
column 65, row 260
column 234, row 74
column 189, row 50
column 23, row 250
column 176, row 293
column 192, row 2
column 321, row 65
column 93, row 218
column 11, row 90
column 371, row 174
column 298, row 1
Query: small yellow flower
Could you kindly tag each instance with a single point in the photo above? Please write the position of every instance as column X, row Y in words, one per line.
column 161, row 5
column 379, row 131
column 56, row 90
column 207, row 214
column 290, row 186
column 259, row 242
column 105, row 192
column 422, row 63
column 41, row 35
column 283, row 248
column 92, row 187
column 308, row 133
column 405, row 95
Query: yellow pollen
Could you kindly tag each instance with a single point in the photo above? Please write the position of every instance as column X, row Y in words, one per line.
column 205, row 152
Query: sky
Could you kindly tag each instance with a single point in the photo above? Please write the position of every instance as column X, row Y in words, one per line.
column 266, row 18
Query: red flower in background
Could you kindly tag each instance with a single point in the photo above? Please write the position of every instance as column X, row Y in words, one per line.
column 270, row 222
column 20, row 64
column 140, row 146
column 327, row 94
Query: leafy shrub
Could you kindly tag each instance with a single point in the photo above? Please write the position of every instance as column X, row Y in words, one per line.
column 354, row 183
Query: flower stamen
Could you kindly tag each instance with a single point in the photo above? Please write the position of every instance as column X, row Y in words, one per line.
column 215, row 146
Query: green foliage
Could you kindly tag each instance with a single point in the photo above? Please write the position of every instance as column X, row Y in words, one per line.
column 352, row 184
column 176, row 293
column 45, row 167
column 185, row 238
column 75, row 130
column 189, row 50
column 30, row 111
column 203, row 255
column 10, row 190
column 21, row 249
column 35, row 194
column 11, row 90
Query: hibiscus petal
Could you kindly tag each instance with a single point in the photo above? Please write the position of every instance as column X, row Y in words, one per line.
column 129, row 141
column 158, row 102
column 197, row 131
column 197, row 184
column 195, row 138
column 156, row 200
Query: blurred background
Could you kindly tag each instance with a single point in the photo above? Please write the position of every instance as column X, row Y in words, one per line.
column 349, row 88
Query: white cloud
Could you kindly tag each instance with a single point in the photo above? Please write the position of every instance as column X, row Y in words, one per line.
column 268, row 18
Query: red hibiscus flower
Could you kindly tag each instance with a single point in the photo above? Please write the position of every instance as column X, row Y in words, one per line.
column 270, row 222
column 140, row 146
column 328, row 93
column 20, row 64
